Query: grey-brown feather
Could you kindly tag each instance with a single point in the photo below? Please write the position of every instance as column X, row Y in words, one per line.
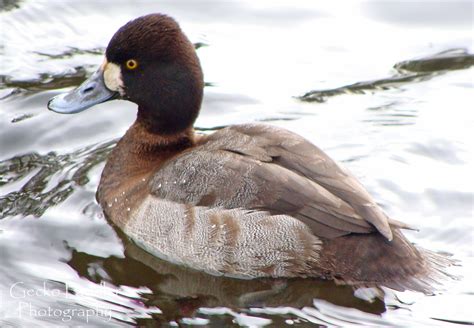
column 236, row 242
column 255, row 201
column 370, row 260
column 265, row 168
column 274, row 171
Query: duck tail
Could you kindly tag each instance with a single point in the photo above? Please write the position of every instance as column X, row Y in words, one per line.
column 370, row 260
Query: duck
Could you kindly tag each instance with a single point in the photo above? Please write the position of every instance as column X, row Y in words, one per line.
column 246, row 201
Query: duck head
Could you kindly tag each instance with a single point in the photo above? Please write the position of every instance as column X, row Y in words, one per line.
column 150, row 62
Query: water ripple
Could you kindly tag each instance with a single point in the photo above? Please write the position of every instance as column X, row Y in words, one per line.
column 409, row 71
column 45, row 180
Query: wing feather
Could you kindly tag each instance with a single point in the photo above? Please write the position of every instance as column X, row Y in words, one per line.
column 268, row 168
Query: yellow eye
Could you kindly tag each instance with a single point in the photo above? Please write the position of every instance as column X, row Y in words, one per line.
column 131, row 64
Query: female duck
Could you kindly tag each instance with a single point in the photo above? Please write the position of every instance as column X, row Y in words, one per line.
column 246, row 201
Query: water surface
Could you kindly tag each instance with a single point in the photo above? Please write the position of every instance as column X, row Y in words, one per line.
column 386, row 88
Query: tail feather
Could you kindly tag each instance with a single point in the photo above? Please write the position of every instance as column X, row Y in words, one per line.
column 369, row 260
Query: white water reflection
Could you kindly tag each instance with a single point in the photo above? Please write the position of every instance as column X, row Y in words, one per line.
column 411, row 146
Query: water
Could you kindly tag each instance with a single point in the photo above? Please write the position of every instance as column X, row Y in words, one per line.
column 384, row 87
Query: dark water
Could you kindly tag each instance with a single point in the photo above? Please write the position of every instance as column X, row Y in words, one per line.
column 384, row 87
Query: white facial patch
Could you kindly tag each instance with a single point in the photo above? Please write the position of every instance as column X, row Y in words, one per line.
column 113, row 77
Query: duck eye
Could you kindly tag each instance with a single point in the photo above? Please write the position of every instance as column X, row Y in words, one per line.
column 131, row 64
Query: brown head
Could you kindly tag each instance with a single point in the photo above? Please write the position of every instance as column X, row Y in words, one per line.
column 150, row 62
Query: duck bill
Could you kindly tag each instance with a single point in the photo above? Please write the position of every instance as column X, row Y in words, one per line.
column 91, row 92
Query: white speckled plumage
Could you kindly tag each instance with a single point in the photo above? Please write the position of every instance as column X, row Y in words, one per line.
column 234, row 242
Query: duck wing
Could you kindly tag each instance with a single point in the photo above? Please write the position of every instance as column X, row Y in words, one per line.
column 265, row 168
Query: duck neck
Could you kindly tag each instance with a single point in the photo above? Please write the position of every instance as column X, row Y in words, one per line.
column 136, row 157
column 145, row 144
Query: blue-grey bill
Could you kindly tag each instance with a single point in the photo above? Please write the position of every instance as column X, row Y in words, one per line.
column 91, row 92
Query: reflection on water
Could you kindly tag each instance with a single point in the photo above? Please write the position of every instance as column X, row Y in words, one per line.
column 44, row 82
column 6, row 5
column 409, row 71
column 444, row 61
column 180, row 292
column 45, row 180
column 409, row 142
